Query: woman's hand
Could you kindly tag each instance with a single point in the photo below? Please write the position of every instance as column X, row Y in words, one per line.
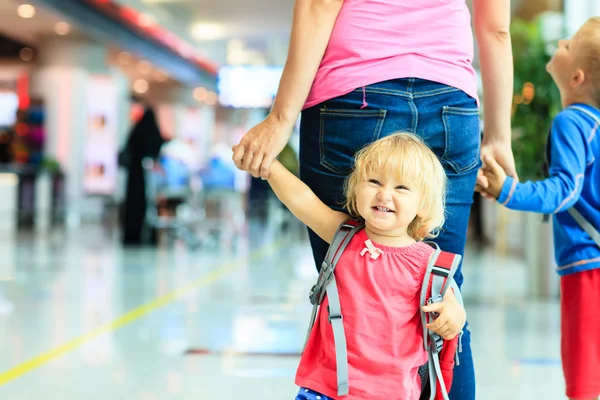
column 261, row 145
column 451, row 316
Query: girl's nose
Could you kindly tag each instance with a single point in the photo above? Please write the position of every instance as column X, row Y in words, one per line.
column 383, row 194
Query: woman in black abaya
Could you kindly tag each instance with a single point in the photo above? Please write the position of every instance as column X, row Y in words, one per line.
column 144, row 140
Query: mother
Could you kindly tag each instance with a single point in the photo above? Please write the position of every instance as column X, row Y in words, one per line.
column 359, row 70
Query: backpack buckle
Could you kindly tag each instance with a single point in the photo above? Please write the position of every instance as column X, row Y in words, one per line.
column 436, row 342
column 330, row 317
column 435, row 299
column 324, row 278
column 313, row 296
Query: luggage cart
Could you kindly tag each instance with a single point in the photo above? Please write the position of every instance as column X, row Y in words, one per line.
column 182, row 198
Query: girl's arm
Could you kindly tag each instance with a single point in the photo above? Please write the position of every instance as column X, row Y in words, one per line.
column 304, row 204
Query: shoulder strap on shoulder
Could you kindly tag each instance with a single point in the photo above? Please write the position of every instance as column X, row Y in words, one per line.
column 342, row 237
column 339, row 243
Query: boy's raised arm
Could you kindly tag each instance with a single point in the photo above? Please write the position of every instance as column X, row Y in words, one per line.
column 303, row 203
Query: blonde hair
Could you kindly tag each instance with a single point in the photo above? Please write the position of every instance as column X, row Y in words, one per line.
column 406, row 156
column 587, row 47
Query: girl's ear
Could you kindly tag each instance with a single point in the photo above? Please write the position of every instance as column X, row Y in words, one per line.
column 423, row 210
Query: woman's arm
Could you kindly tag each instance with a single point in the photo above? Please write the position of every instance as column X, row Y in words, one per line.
column 304, row 204
column 312, row 24
column 492, row 30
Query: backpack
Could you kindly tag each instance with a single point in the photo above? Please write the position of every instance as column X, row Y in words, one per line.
column 436, row 375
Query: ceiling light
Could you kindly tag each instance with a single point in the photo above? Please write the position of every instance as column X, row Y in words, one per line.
column 200, row 94
column 145, row 20
column 62, row 28
column 26, row 11
column 26, row 54
column 207, row 31
column 140, row 86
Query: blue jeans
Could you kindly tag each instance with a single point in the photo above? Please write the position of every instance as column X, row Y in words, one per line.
column 444, row 117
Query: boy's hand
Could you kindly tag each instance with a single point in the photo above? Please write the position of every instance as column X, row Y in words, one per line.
column 451, row 319
column 501, row 152
column 494, row 175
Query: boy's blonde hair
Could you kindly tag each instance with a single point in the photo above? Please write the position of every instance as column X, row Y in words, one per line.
column 406, row 156
column 587, row 50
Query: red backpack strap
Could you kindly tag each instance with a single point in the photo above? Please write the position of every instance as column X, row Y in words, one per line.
column 442, row 273
column 439, row 276
column 447, row 359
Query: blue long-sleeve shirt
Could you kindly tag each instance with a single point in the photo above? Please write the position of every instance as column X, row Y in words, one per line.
column 574, row 182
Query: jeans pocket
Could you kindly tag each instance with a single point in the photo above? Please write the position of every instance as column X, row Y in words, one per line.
column 462, row 139
column 343, row 132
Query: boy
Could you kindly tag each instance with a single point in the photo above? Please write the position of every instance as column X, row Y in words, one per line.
column 574, row 181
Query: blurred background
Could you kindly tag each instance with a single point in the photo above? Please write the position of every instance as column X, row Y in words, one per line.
column 136, row 262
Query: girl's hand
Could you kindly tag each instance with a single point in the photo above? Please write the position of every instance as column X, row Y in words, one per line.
column 451, row 319
column 260, row 145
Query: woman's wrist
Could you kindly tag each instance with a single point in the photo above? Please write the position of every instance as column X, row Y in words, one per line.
column 496, row 137
column 283, row 118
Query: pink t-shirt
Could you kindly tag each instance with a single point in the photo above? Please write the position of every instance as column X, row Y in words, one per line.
column 378, row 40
column 379, row 299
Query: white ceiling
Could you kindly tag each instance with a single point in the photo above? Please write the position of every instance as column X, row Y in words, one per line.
column 237, row 18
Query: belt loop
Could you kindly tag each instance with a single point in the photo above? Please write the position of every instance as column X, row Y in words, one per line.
column 364, row 104
column 411, row 83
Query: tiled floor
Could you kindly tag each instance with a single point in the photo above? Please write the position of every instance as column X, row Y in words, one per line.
column 83, row 318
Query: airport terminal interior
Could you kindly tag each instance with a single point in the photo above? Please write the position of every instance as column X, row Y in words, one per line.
column 207, row 298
